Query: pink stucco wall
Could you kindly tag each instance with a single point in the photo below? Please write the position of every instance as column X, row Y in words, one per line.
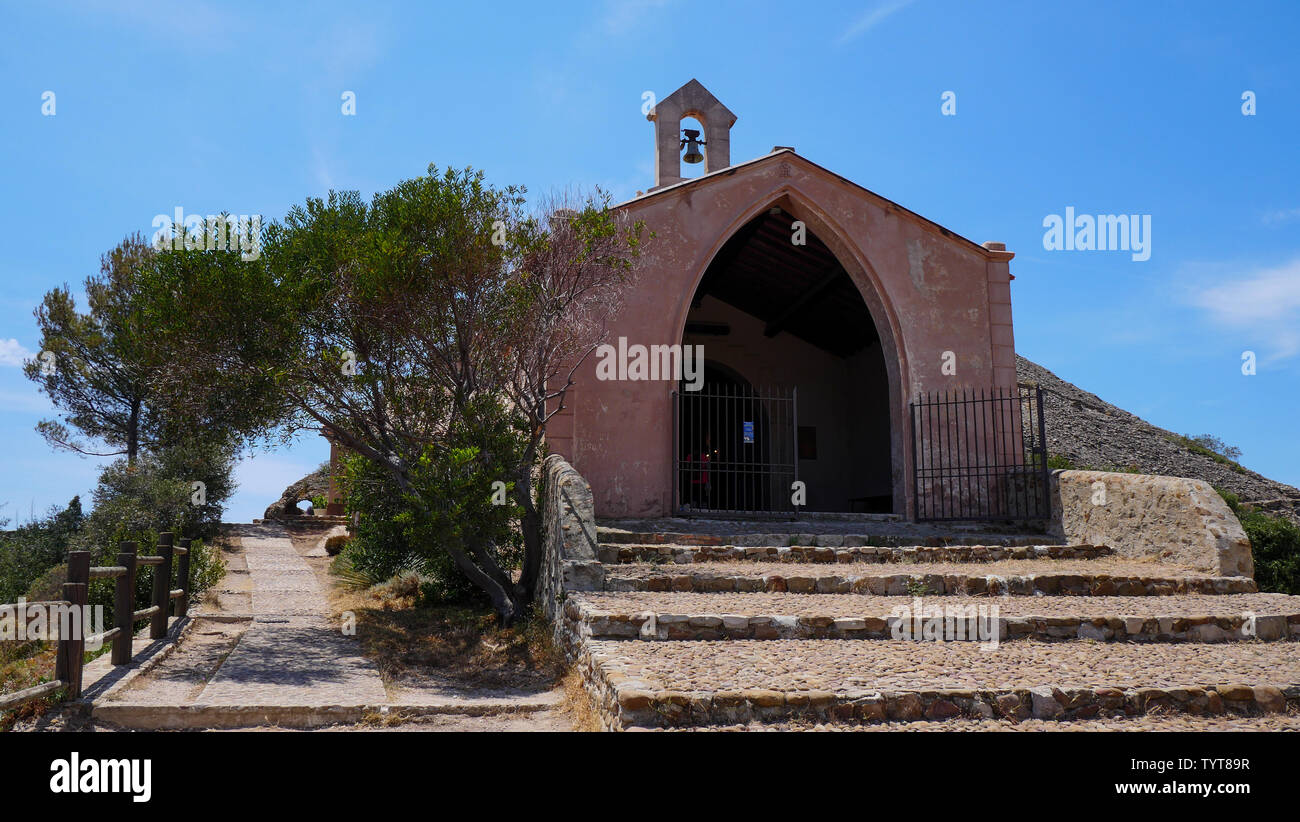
column 929, row 291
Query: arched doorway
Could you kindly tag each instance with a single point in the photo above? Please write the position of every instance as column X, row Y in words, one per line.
column 776, row 304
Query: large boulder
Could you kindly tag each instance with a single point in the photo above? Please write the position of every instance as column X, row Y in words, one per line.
column 315, row 484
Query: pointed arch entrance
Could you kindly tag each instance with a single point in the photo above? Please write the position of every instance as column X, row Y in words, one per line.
column 777, row 304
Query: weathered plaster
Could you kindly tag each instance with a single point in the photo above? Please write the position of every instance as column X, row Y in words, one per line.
column 619, row 434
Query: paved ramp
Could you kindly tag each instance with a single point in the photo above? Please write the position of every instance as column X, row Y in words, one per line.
column 264, row 653
column 290, row 655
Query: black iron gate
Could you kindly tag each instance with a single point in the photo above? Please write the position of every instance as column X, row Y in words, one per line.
column 980, row 455
column 734, row 450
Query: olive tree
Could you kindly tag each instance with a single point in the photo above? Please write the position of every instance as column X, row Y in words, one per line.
column 413, row 330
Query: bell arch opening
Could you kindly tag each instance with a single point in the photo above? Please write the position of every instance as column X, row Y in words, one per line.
column 694, row 145
column 776, row 305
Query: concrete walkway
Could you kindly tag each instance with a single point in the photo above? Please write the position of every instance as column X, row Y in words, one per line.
column 261, row 652
column 290, row 655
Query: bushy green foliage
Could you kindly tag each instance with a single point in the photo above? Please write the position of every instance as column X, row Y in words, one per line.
column 384, row 323
column 134, row 503
column 1274, row 543
column 451, row 502
column 1131, row 468
column 99, row 375
column 33, row 549
column 137, row 503
column 1059, row 461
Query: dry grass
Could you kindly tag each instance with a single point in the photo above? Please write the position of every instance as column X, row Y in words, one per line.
column 22, row 665
column 461, row 644
column 577, row 703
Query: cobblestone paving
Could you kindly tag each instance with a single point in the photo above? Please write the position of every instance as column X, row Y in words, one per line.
column 276, row 660
column 839, row 666
column 857, row 605
column 780, row 626
column 1101, row 577
column 1153, row 723
column 1112, row 566
column 188, row 667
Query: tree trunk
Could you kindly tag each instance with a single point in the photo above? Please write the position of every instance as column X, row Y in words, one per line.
column 502, row 601
column 133, row 432
column 530, row 522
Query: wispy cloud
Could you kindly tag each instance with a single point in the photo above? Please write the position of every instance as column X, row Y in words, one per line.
column 209, row 26
column 320, row 168
column 621, row 16
column 1265, row 302
column 871, row 18
column 1281, row 215
column 13, row 354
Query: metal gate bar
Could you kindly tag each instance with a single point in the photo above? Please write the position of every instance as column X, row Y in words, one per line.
column 980, row 455
column 735, row 450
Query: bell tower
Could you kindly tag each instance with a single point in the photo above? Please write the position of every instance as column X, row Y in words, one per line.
column 691, row 100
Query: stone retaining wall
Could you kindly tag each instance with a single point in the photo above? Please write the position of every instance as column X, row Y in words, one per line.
column 569, row 537
column 1172, row 519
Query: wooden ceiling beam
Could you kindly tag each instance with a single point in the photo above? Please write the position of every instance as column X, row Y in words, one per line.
column 828, row 279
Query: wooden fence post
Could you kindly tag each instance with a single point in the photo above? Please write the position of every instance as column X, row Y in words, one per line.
column 73, row 646
column 162, row 587
column 183, row 577
column 124, row 605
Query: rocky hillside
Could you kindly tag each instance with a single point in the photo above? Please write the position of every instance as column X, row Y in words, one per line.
column 1092, row 433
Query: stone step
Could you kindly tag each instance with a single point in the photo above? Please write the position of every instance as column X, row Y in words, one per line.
column 687, row 616
column 776, row 539
column 196, row 716
column 665, row 684
column 1153, row 722
column 1107, row 576
column 615, row 553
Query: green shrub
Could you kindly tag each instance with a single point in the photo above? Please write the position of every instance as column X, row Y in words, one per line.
column 30, row 551
column 385, row 539
column 136, row 503
column 335, row 544
column 1210, row 446
column 364, row 563
column 49, row 585
column 1055, row 461
column 449, row 502
column 1274, row 543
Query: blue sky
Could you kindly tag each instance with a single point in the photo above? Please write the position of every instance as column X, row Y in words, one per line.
column 1106, row 107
